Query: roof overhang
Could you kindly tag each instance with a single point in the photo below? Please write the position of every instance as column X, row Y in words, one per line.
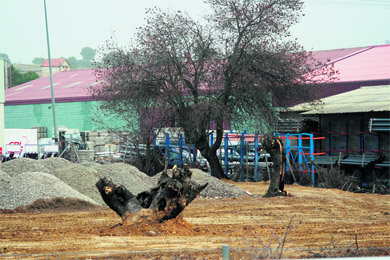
column 364, row 99
column 48, row 101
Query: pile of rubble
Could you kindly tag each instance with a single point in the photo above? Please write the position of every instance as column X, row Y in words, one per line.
column 24, row 181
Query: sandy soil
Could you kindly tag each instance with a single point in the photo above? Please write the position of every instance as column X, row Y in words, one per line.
column 317, row 221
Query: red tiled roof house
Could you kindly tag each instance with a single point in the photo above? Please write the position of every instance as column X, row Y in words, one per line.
column 57, row 65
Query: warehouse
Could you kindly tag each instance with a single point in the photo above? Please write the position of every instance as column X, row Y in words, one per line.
column 355, row 124
column 30, row 104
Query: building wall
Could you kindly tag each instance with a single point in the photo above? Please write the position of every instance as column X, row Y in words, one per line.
column 3, row 78
column 74, row 115
column 45, row 71
column 65, row 65
column 353, row 124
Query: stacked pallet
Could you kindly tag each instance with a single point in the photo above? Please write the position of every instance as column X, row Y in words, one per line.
column 41, row 131
column 104, row 141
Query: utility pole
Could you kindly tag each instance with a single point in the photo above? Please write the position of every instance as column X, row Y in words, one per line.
column 51, row 77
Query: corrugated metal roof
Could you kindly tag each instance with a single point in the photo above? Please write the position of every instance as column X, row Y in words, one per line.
column 71, row 85
column 367, row 64
column 364, row 99
column 326, row 56
column 354, row 65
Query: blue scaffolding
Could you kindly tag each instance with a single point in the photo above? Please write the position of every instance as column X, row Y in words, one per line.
column 236, row 148
column 233, row 151
column 301, row 153
column 176, row 150
column 245, row 141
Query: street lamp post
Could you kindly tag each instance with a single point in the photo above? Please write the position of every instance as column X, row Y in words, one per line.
column 51, row 76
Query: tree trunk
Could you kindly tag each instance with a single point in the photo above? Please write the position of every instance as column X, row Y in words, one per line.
column 210, row 153
column 165, row 201
column 215, row 165
column 274, row 147
column 202, row 143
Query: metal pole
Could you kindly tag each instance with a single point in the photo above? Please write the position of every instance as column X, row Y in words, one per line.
column 211, row 144
column 51, row 75
column 226, row 154
column 312, row 159
column 167, row 148
column 288, row 150
column 242, row 150
column 225, row 252
column 256, row 157
column 300, row 152
column 181, row 149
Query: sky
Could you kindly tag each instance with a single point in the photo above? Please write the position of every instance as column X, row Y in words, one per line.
column 74, row 24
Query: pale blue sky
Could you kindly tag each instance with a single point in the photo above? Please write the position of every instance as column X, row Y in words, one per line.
column 74, row 24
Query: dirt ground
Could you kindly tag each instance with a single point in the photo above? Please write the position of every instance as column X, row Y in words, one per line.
column 312, row 222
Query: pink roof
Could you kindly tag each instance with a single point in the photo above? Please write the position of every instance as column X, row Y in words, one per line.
column 326, row 56
column 71, row 85
column 54, row 62
column 366, row 64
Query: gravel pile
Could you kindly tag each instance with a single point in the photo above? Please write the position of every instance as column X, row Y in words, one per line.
column 27, row 187
column 4, row 187
column 18, row 166
column 80, row 178
column 23, row 181
column 216, row 187
column 4, row 178
column 125, row 174
column 53, row 163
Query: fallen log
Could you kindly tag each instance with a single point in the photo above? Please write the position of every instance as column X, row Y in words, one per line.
column 165, row 201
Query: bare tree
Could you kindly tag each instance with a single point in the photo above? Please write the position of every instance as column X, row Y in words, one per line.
column 236, row 66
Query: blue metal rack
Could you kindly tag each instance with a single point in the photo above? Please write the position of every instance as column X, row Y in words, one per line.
column 234, row 154
column 233, row 150
column 300, row 153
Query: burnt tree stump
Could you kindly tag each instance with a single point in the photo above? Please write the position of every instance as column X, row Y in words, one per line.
column 165, row 201
column 118, row 198
column 274, row 147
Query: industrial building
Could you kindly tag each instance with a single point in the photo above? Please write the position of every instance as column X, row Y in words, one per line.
column 362, row 72
column 353, row 117
column 30, row 104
